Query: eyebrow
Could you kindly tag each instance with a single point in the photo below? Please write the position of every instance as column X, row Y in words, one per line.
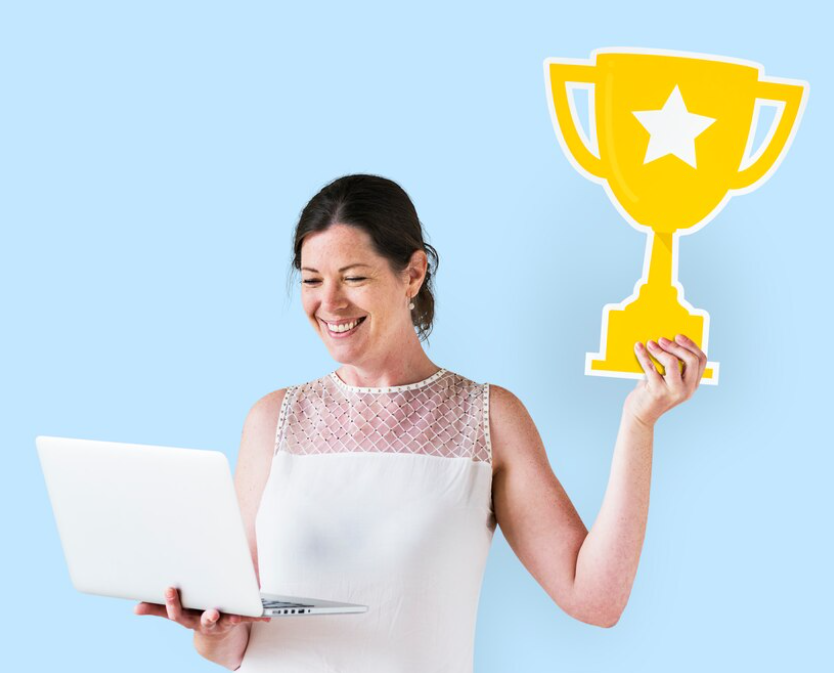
column 344, row 268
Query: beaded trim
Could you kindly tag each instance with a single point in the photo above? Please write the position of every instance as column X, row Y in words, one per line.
column 486, row 421
column 285, row 407
column 390, row 389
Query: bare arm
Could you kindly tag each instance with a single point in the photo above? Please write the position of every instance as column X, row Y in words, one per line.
column 252, row 471
column 535, row 514
column 607, row 562
column 588, row 574
column 608, row 558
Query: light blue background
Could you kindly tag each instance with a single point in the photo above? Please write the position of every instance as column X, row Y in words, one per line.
column 154, row 158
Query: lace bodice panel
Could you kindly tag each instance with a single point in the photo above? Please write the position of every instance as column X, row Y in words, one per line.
column 445, row 415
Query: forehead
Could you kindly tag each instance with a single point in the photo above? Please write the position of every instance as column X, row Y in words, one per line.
column 334, row 245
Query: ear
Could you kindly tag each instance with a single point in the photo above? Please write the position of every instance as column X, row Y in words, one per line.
column 415, row 272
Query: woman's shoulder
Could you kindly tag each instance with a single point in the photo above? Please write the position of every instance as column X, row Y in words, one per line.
column 505, row 408
column 497, row 394
column 510, row 424
column 502, row 397
column 276, row 397
column 270, row 404
column 265, row 410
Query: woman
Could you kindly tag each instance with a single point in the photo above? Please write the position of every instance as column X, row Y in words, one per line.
column 382, row 483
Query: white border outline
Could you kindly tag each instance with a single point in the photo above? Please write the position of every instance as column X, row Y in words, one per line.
column 591, row 143
column 680, row 232
column 746, row 159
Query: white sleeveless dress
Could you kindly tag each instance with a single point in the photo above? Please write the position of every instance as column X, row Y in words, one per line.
column 379, row 496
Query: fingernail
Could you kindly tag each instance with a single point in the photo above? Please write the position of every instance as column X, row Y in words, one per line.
column 652, row 344
column 637, row 346
column 664, row 341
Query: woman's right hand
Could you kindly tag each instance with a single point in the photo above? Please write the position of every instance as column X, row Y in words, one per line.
column 209, row 623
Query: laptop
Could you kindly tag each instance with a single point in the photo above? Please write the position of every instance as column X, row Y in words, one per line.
column 134, row 519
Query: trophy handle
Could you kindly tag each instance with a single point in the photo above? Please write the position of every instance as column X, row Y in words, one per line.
column 572, row 143
column 793, row 96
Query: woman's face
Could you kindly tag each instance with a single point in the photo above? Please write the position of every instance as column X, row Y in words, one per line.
column 345, row 280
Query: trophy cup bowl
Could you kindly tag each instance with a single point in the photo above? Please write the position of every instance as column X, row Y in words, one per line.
column 673, row 132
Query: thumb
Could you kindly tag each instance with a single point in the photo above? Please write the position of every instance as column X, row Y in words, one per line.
column 210, row 619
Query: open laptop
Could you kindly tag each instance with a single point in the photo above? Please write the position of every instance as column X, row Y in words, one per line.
column 135, row 519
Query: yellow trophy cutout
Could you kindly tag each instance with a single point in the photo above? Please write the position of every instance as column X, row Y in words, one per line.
column 671, row 135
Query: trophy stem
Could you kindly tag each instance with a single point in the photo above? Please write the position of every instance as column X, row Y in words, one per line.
column 660, row 264
column 655, row 312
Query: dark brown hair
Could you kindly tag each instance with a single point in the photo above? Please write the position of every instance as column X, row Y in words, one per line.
column 382, row 209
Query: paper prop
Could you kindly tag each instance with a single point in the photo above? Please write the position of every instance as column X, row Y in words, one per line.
column 670, row 139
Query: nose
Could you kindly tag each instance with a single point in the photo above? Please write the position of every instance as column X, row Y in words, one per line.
column 333, row 298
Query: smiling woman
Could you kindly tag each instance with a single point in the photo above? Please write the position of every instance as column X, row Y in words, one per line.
column 382, row 482
column 382, row 211
column 364, row 320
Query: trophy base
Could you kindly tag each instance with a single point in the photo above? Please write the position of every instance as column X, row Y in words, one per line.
column 651, row 316
column 595, row 367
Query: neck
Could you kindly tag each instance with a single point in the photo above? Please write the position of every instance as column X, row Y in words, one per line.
column 399, row 367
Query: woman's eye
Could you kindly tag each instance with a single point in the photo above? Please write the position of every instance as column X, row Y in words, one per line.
column 310, row 281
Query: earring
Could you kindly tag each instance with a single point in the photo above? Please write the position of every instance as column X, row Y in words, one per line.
column 411, row 303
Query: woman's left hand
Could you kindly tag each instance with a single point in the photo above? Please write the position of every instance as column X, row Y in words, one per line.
column 656, row 394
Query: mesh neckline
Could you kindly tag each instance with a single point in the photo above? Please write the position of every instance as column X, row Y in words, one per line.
column 390, row 389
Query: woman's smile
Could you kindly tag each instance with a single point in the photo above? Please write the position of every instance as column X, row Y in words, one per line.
column 345, row 329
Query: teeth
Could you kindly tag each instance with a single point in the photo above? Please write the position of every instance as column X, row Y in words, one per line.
column 343, row 328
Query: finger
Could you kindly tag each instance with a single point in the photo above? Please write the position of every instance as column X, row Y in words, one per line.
column 691, row 365
column 210, row 619
column 686, row 342
column 154, row 609
column 670, row 364
column 187, row 617
column 652, row 375
column 172, row 603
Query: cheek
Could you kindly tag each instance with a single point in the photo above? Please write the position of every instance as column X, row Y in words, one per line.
column 309, row 305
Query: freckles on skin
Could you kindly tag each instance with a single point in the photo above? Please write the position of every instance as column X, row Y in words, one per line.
column 373, row 291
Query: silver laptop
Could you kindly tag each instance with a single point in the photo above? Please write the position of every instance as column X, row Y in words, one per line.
column 135, row 519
